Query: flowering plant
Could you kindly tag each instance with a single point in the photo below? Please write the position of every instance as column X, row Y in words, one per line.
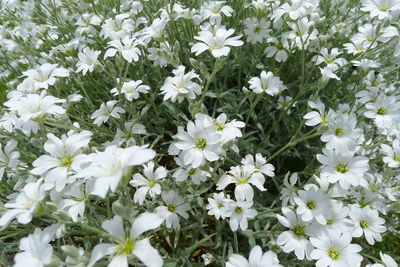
column 193, row 133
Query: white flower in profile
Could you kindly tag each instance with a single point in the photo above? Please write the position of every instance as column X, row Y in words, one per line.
column 125, row 245
column 24, row 204
column 127, row 47
column 239, row 211
column 127, row 134
column 385, row 111
column 74, row 198
column 181, row 85
column 256, row 259
column 334, row 249
column 63, row 159
column 108, row 167
column 198, row 144
column 343, row 167
column 296, row 239
column 387, row 261
column 228, row 130
column 36, row 106
column 197, row 175
column 368, row 223
column 289, row 189
column 106, row 111
column 243, row 177
column 175, row 205
column 313, row 204
column 256, row 30
column 36, row 250
column 342, row 133
column 149, row 183
column 8, row 157
column 87, row 60
column 155, row 30
column 218, row 43
column 131, row 89
column 337, row 217
column 218, row 205
column 266, row 83
column 45, row 75
column 259, row 163
column 380, row 8
column 391, row 153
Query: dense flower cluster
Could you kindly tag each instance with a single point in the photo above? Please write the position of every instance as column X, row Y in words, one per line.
column 187, row 133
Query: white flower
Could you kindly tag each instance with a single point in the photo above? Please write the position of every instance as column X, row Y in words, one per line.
column 217, row 43
column 228, row 130
column 337, row 218
column 343, row 167
column 392, row 153
column 256, row 30
column 289, row 190
column 160, row 56
column 267, row 83
column 181, row 85
column 380, row 8
column 313, row 203
column 106, row 110
column 35, row 106
column 256, row 259
column 149, row 183
column 87, row 60
column 385, row 111
column 296, row 238
column 108, row 167
column 218, row 205
column 277, row 49
column 24, row 204
column 125, row 245
column 185, row 171
column 155, row 30
column 63, row 159
column 131, row 89
column 74, row 198
column 342, row 133
column 242, row 176
column 198, row 144
column 127, row 47
column 37, row 252
column 213, row 10
column 387, row 261
column 368, row 223
column 127, row 135
column 175, row 206
column 300, row 32
column 334, row 249
column 117, row 28
column 317, row 117
column 239, row 211
column 259, row 163
column 45, row 75
column 8, row 157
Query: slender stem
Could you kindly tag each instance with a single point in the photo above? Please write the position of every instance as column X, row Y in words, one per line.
column 235, row 242
column 213, row 73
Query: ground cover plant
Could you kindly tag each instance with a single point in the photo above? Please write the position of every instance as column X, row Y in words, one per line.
column 199, row 133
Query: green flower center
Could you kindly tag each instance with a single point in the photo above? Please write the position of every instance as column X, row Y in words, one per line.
column 171, row 208
column 311, row 205
column 242, row 180
column 298, row 230
column 192, row 171
column 333, row 253
column 342, row 168
column 152, row 183
column 219, row 126
column 66, row 161
column 126, row 247
column 396, row 158
column 221, row 205
column 257, row 29
column 159, row 53
column 339, row 132
column 329, row 222
column 363, row 224
column 201, row 143
column 384, row 7
column 382, row 111
column 238, row 210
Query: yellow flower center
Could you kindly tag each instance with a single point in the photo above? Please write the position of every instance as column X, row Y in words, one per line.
column 333, row 253
column 201, row 143
column 339, row 132
column 342, row 168
column 298, row 230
